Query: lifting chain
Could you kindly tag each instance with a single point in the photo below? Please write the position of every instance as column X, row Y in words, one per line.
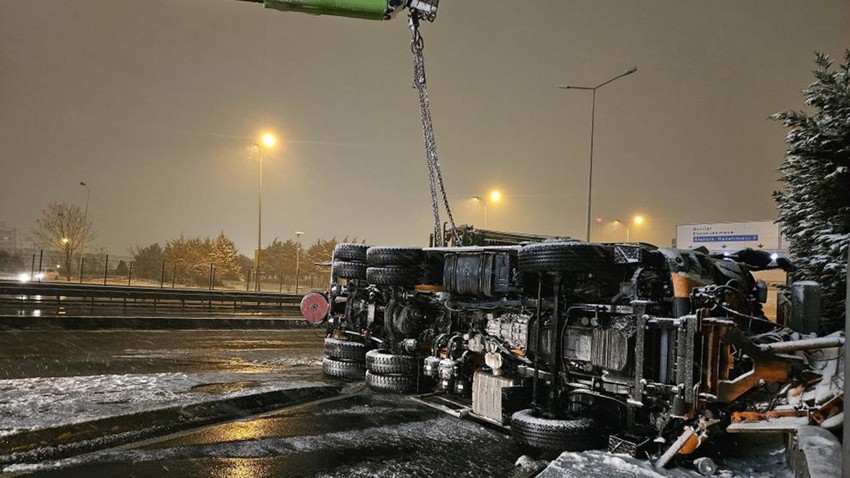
column 435, row 177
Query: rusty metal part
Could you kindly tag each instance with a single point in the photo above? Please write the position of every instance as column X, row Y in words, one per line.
column 683, row 284
column 765, row 370
column 750, row 417
column 428, row 288
column 832, row 407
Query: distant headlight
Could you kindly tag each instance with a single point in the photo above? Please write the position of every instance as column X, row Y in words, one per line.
column 24, row 277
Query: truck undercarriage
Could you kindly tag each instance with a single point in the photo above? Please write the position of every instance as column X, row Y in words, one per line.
column 574, row 345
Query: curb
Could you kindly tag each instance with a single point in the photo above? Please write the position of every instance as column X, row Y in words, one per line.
column 147, row 323
column 73, row 439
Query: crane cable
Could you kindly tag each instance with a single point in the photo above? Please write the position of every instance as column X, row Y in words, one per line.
column 435, row 176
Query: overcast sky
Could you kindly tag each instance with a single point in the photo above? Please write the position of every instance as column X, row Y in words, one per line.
column 155, row 105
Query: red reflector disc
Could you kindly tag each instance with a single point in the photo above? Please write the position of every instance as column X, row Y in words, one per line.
column 314, row 307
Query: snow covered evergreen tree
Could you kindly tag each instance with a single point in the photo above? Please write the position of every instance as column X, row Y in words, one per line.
column 814, row 208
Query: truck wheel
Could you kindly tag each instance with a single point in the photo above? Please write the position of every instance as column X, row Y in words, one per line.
column 394, row 256
column 577, row 434
column 394, row 275
column 345, row 350
column 349, row 270
column 382, row 362
column 344, row 370
column 390, row 383
column 350, row 252
column 564, row 256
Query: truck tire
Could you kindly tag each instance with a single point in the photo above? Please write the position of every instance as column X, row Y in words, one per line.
column 349, row 270
column 534, row 431
column 394, row 256
column 565, row 256
column 343, row 370
column 394, row 275
column 350, row 252
column 381, row 362
column 345, row 350
column 390, row 383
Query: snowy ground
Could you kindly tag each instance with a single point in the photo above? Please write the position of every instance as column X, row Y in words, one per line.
column 72, row 377
column 42, row 402
column 760, row 457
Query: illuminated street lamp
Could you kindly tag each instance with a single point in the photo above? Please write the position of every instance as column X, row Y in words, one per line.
column 267, row 141
column 297, row 259
column 495, row 196
column 592, row 125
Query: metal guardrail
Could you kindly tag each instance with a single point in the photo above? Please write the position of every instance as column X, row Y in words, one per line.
column 78, row 296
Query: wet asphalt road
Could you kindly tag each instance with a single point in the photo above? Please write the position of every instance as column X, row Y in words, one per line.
column 361, row 435
column 64, row 353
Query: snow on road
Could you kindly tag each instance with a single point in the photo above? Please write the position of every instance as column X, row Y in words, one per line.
column 761, row 459
column 34, row 403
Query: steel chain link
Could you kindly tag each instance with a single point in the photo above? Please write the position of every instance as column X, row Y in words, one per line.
column 435, row 176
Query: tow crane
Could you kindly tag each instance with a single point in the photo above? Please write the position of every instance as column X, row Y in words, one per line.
column 418, row 10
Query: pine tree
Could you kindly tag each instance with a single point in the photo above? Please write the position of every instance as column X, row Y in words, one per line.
column 148, row 261
column 814, row 208
column 223, row 254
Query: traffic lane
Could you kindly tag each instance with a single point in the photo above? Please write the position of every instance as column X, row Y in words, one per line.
column 363, row 435
column 63, row 353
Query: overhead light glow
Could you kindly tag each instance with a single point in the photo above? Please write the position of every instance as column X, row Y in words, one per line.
column 269, row 140
column 495, row 196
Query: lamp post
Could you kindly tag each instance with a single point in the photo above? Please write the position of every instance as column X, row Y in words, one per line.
column 83, row 231
column 268, row 140
column 495, row 196
column 637, row 221
column 297, row 259
column 592, row 127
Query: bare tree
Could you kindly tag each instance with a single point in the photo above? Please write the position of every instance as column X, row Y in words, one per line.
column 63, row 227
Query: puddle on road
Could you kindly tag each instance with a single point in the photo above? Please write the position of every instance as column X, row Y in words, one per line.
column 229, row 387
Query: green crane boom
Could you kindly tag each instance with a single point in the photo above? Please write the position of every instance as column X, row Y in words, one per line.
column 366, row 9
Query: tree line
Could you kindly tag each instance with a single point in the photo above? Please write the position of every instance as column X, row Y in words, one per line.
column 188, row 260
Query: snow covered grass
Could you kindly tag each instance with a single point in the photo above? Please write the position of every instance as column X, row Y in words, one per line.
column 44, row 402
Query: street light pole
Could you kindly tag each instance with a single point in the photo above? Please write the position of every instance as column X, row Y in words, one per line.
column 268, row 141
column 85, row 226
column 593, row 89
column 297, row 259
column 495, row 196
column 483, row 203
column 628, row 229
column 259, row 221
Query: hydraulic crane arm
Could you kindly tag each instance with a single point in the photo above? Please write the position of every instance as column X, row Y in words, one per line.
column 367, row 9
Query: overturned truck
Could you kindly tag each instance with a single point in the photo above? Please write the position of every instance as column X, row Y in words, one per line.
column 573, row 345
